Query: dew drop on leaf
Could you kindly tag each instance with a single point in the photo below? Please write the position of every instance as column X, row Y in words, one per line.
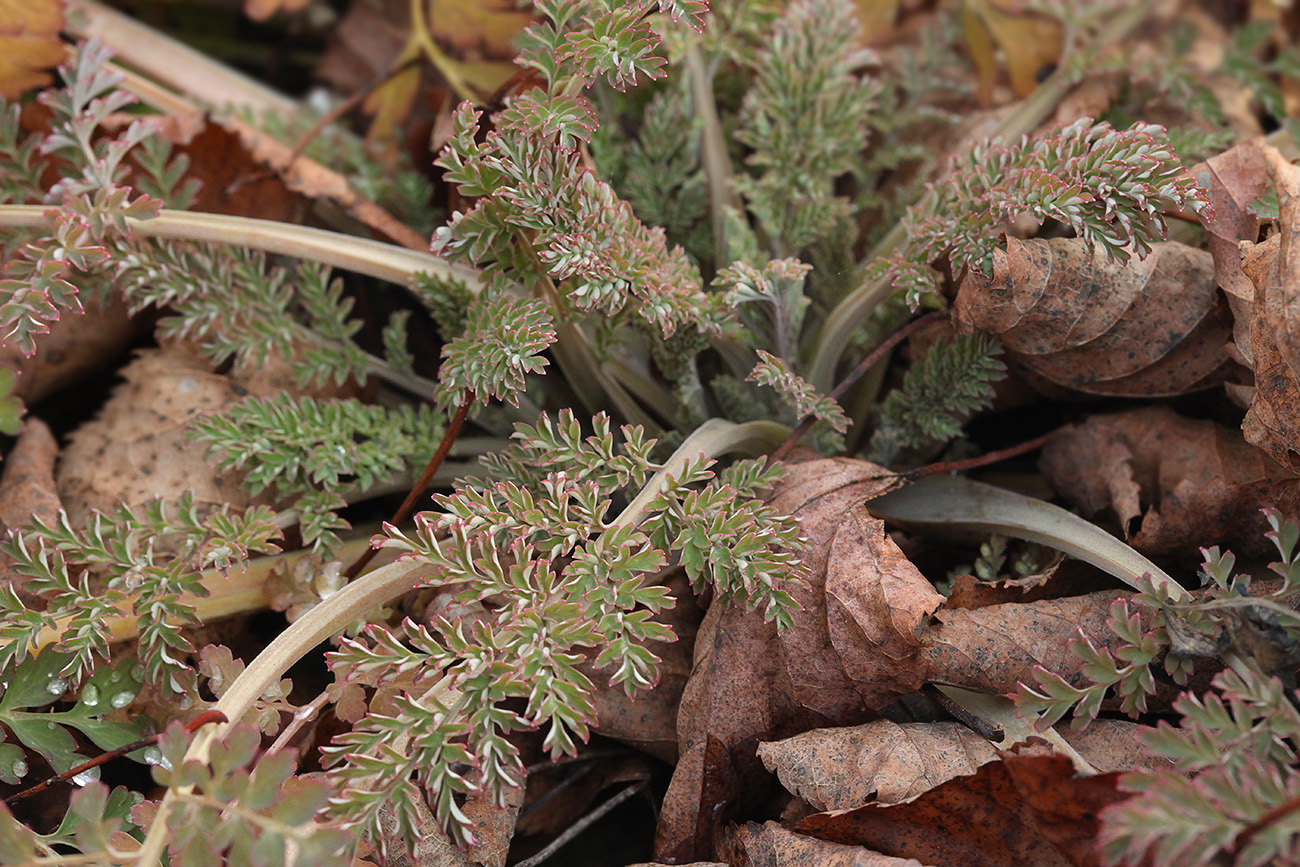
column 19, row 768
column 121, row 699
column 152, row 756
column 56, row 686
column 90, row 695
column 87, row 776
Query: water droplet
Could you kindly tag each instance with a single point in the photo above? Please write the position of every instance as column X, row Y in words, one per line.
column 163, row 761
column 152, row 756
column 85, row 777
column 20, row 768
column 56, row 686
column 90, row 695
column 121, row 699
column 137, row 672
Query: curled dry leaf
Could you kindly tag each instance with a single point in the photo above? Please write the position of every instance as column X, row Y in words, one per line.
column 1273, row 421
column 1027, row 808
column 1233, row 180
column 749, row 684
column 1182, row 482
column 1067, row 315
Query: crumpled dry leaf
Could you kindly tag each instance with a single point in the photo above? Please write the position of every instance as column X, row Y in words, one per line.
column 29, row 44
column 1027, row 808
column 748, row 683
column 1190, row 482
column 1030, row 43
column 772, row 845
column 1273, row 421
column 1065, row 314
column 1233, row 180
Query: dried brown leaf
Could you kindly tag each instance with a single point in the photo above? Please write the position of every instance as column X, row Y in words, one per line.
column 1007, row 813
column 1191, row 482
column 1065, row 314
column 29, row 44
column 27, row 488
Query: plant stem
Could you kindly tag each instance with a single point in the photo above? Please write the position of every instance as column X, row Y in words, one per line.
column 444, row 449
column 854, row 375
column 361, row 255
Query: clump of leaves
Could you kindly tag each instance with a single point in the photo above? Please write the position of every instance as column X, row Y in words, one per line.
column 1230, row 795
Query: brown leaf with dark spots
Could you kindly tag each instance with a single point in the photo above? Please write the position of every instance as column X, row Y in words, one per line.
column 771, row 845
column 993, row 818
column 1191, row 482
column 882, row 761
column 992, row 649
column 705, row 775
column 1067, row 315
column 27, row 489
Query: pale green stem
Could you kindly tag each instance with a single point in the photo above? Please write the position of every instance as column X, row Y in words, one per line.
column 326, row 620
column 713, row 438
column 713, row 152
column 361, row 255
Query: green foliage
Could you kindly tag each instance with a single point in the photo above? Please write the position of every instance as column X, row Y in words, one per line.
column 939, row 394
column 1112, row 187
column 798, row 393
column 94, row 816
column 572, row 584
column 140, row 559
column 805, row 121
column 38, row 682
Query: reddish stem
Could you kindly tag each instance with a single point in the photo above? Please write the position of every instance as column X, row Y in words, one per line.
column 209, row 716
column 854, row 375
column 444, row 449
column 981, row 461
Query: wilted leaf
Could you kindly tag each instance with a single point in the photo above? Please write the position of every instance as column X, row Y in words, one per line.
column 29, row 44
column 1191, row 482
column 1064, row 313
column 1273, row 421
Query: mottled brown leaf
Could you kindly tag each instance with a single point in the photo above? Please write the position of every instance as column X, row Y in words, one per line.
column 881, row 761
column 1190, row 482
column 992, row 649
column 29, row 44
column 27, row 488
column 1067, row 315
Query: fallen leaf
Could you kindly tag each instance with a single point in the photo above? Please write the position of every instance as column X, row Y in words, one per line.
column 1065, row 314
column 29, row 44
column 27, row 488
column 1273, row 421
column 993, row 818
column 1030, row 43
column 1183, row 482
column 882, row 762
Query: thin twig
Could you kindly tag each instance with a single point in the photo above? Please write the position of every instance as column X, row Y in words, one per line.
column 301, row 717
column 981, row 461
column 582, row 824
column 210, row 716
